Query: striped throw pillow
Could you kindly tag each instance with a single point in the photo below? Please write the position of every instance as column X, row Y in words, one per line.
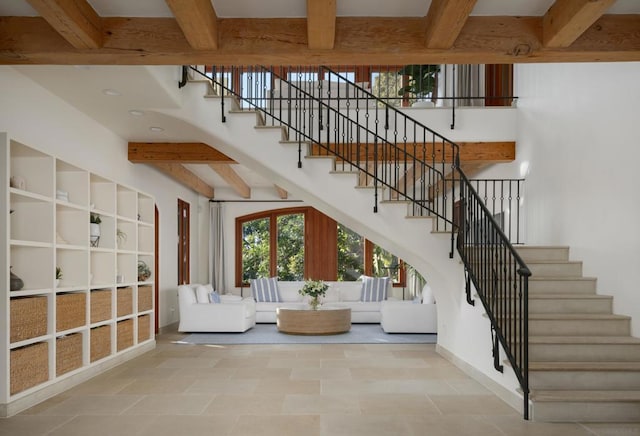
column 374, row 288
column 265, row 289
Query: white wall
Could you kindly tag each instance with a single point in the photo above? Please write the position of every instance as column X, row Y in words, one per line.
column 579, row 145
column 41, row 120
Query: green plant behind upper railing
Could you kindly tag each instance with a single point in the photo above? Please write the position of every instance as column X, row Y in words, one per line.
column 422, row 80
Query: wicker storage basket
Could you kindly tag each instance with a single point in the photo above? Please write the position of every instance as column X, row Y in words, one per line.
column 71, row 311
column 144, row 328
column 68, row 353
column 125, row 301
column 100, row 305
column 100, row 342
column 145, row 298
column 125, row 334
column 28, row 318
column 29, row 366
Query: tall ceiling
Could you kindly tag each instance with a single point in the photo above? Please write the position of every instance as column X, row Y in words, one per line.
column 79, row 49
column 154, row 32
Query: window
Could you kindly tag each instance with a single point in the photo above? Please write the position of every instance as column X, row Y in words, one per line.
column 299, row 243
column 183, row 242
column 350, row 254
column 272, row 244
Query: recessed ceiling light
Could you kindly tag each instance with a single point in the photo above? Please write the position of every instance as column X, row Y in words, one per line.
column 156, row 129
column 110, row 91
column 136, row 113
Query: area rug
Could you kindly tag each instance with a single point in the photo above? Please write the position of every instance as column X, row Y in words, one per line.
column 269, row 334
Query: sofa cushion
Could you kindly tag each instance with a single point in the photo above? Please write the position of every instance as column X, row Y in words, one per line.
column 374, row 288
column 363, row 306
column 350, row 293
column 202, row 293
column 265, row 289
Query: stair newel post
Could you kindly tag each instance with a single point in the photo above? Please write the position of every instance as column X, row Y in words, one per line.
column 375, row 175
column 524, row 274
column 213, row 75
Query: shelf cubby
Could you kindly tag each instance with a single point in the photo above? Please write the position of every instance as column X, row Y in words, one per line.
column 69, row 220
column 31, row 219
column 72, row 184
column 74, row 267
column 127, row 267
column 127, row 203
column 146, row 238
column 34, row 265
column 102, row 268
column 31, row 170
column 102, row 195
column 146, row 209
column 129, row 230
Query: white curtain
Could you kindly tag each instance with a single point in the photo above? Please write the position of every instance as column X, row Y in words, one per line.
column 216, row 247
column 463, row 80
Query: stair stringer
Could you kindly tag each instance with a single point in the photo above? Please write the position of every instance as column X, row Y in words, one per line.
column 463, row 332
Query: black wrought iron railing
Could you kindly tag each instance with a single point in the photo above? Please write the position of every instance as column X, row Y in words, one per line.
column 503, row 198
column 500, row 278
column 395, row 156
column 399, row 159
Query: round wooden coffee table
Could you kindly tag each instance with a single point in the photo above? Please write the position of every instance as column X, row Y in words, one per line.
column 324, row 321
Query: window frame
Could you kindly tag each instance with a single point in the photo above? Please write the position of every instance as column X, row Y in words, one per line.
column 273, row 215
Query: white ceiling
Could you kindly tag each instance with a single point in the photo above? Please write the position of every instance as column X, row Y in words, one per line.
column 297, row 8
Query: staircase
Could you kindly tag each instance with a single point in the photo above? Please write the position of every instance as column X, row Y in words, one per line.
column 583, row 364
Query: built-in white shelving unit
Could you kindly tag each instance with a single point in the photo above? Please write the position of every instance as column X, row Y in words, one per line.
column 99, row 310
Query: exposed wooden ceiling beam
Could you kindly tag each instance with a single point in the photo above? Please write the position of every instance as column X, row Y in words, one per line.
column 283, row 41
column 282, row 193
column 445, row 21
column 198, row 22
column 230, row 176
column 181, row 174
column 566, row 20
column 183, row 152
column 75, row 21
column 489, row 151
column 321, row 24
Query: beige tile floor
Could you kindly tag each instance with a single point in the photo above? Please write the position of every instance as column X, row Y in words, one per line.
column 179, row 389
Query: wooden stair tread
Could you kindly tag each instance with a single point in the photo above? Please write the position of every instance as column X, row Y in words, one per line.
column 584, row 366
column 586, row 396
column 589, row 340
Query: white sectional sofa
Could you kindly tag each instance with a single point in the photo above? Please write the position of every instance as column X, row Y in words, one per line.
column 197, row 314
column 345, row 294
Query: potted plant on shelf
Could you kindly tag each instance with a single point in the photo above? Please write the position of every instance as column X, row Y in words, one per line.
column 58, row 275
column 314, row 289
column 122, row 237
column 422, row 83
column 94, row 229
column 144, row 272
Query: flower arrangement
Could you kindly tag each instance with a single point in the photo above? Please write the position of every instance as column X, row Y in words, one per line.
column 314, row 289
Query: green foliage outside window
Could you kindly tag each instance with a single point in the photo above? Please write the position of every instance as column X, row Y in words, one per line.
column 291, row 247
column 255, row 249
column 350, row 254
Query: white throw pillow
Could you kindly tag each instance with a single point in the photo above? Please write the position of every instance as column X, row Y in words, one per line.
column 427, row 295
column 202, row 293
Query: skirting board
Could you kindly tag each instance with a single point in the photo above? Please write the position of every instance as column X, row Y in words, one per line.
column 512, row 398
column 74, row 378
